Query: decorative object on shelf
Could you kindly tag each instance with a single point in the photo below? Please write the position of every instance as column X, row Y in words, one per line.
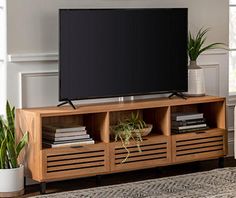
column 132, row 128
column 11, row 173
column 196, row 81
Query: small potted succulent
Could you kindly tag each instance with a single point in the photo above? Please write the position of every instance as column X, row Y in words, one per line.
column 132, row 128
column 196, row 82
column 11, row 172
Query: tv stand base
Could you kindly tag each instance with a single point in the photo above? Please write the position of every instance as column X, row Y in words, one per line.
column 178, row 94
column 67, row 101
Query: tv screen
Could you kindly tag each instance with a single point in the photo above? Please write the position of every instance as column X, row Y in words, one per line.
column 122, row 52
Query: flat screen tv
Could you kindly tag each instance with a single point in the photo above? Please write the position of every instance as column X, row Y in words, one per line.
column 122, row 52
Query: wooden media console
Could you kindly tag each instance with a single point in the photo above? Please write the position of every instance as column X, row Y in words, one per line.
column 161, row 147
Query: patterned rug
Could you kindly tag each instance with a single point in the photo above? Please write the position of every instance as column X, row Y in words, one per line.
column 218, row 183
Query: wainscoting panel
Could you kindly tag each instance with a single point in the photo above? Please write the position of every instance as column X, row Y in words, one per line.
column 39, row 89
column 212, row 82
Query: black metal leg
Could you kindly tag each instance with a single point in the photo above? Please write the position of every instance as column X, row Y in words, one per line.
column 221, row 163
column 98, row 180
column 42, row 187
column 24, row 182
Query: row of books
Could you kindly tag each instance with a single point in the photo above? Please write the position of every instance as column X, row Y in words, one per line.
column 188, row 122
column 62, row 135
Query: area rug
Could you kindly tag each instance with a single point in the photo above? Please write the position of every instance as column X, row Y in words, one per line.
column 218, row 183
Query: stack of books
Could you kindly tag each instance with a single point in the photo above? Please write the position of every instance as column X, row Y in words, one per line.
column 188, row 122
column 61, row 135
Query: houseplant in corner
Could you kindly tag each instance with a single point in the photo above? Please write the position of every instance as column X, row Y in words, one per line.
column 11, row 172
column 196, row 82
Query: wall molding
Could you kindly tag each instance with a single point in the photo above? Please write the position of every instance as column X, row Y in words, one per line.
column 216, row 67
column 33, row 57
column 215, row 52
column 30, row 74
column 54, row 56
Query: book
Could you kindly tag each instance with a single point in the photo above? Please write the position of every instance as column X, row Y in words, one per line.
column 59, row 128
column 189, row 130
column 70, row 144
column 186, row 116
column 64, row 134
column 188, row 122
column 66, row 141
column 189, row 126
column 76, row 137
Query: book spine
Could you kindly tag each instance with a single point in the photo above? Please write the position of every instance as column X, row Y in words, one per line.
column 72, row 144
column 189, row 117
column 77, row 137
column 189, row 130
column 188, row 122
column 190, row 126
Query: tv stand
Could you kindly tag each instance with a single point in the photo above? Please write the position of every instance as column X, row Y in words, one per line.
column 178, row 94
column 67, row 101
column 162, row 147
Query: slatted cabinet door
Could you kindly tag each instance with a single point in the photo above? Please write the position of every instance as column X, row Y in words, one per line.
column 156, row 151
column 199, row 145
column 65, row 163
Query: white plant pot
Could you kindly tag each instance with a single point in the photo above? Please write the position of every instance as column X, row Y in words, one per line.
column 196, row 80
column 12, row 182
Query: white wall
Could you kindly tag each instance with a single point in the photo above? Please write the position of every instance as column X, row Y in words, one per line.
column 32, row 44
column 2, row 56
column 33, row 25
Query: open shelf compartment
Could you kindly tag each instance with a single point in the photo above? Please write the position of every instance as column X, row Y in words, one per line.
column 213, row 112
column 158, row 117
column 96, row 124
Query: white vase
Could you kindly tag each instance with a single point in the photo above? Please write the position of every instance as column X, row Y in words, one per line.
column 196, row 80
column 12, row 182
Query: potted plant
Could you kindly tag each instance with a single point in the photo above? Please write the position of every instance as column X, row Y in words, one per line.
column 11, row 172
column 132, row 128
column 196, row 82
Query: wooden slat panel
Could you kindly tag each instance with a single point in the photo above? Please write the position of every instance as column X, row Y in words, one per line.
column 199, row 156
column 141, row 158
column 66, row 150
column 199, row 140
column 75, row 166
column 74, row 156
column 74, row 173
column 215, row 143
column 65, row 162
column 206, row 133
column 137, row 153
column 143, row 148
column 198, row 150
column 140, row 164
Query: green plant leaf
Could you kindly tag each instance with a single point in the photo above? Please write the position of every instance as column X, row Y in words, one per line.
column 3, row 154
column 195, row 44
column 22, row 143
column 11, row 150
column 10, row 118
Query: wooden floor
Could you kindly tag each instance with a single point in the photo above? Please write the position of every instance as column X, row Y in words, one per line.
column 128, row 176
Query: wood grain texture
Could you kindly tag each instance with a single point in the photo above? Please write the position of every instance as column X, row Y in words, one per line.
column 158, row 149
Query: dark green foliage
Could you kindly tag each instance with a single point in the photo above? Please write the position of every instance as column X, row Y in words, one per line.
column 9, row 148
column 195, row 44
